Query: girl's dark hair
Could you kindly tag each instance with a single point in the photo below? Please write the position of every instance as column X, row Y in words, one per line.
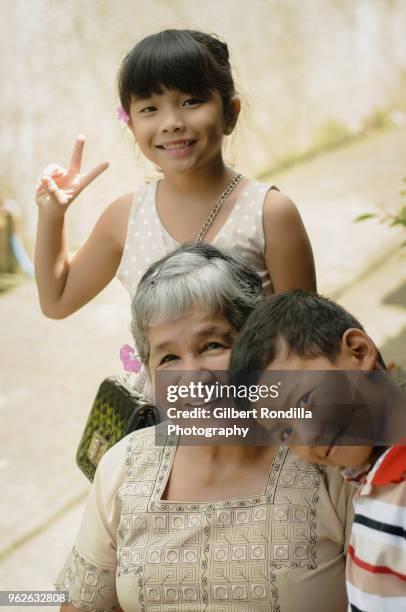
column 192, row 62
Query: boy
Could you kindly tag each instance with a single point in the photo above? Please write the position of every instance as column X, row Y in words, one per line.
column 304, row 331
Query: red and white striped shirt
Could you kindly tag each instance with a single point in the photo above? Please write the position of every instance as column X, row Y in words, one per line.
column 376, row 559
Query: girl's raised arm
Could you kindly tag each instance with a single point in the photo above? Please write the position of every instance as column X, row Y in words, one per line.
column 64, row 285
column 288, row 252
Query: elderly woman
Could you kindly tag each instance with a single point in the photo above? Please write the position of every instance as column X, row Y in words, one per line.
column 178, row 528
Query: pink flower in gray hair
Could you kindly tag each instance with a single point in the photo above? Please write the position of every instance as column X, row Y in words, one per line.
column 129, row 359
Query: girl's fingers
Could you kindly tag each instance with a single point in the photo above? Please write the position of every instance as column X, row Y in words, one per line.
column 76, row 158
column 51, row 187
column 92, row 174
column 53, row 170
column 49, row 179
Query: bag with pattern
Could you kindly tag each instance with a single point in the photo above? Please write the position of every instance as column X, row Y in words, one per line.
column 117, row 410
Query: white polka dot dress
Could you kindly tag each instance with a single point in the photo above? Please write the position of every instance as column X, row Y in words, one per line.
column 147, row 239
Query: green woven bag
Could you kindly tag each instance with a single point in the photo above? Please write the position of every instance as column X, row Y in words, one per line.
column 117, row 410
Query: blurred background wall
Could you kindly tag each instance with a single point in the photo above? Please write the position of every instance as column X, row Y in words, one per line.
column 310, row 74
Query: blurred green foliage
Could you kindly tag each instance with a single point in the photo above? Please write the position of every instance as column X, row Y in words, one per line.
column 390, row 218
column 332, row 132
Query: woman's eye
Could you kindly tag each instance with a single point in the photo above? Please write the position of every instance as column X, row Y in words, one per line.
column 167, row 359
column 210, row 346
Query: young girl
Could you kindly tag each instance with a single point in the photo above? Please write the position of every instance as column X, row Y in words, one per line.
column 178, row 99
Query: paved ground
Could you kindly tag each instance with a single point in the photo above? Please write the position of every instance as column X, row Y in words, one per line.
column 51, row 369
column 359, row 264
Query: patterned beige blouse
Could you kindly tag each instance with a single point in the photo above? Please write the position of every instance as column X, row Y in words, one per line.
column 282, row 551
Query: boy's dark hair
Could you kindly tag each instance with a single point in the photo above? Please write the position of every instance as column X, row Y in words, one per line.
column 310, row 325
column 188, row 60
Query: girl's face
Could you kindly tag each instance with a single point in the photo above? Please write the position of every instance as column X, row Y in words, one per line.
column 179, row 133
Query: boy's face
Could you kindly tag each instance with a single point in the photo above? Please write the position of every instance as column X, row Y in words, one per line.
column 335, row 455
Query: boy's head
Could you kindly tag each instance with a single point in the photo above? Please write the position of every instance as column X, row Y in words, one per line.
column 304, row 331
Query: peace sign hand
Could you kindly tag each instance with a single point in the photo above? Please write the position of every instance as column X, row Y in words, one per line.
column 58, row 187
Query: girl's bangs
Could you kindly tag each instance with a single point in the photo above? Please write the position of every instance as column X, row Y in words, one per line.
column 170, row 64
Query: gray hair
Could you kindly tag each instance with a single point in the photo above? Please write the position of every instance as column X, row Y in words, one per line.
column 193, row 275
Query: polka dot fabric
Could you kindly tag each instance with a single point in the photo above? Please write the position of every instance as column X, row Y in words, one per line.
column 147, row 239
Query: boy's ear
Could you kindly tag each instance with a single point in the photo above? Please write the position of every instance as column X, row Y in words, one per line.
column 233, row 118
column 357, row 345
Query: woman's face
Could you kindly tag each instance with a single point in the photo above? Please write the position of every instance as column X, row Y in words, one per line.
column 197, row 342
column 192, row 352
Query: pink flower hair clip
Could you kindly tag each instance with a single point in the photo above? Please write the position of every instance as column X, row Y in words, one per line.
column 129, row 359
column 122, row 115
